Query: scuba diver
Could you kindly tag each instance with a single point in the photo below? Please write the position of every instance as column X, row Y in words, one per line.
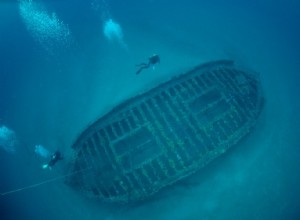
column 154, row 59
column 57, row 156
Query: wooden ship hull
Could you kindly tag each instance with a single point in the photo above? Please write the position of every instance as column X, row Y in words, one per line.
column 155, row 139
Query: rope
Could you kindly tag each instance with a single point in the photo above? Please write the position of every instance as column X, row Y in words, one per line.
column 42, row 183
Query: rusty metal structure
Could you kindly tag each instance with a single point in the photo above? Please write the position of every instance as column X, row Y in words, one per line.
column 155, row 139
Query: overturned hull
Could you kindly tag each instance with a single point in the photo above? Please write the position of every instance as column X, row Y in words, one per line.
column 157, row 138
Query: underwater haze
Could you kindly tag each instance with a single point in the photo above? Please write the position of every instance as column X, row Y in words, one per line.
column 65, row 63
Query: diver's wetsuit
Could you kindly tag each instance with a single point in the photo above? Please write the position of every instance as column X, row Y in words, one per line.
column 55, row 158
column 154, row 59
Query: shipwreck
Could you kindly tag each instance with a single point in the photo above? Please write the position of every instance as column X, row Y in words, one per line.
column 155, row 139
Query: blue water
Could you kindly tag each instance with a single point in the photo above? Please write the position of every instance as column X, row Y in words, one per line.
column 59, row 72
